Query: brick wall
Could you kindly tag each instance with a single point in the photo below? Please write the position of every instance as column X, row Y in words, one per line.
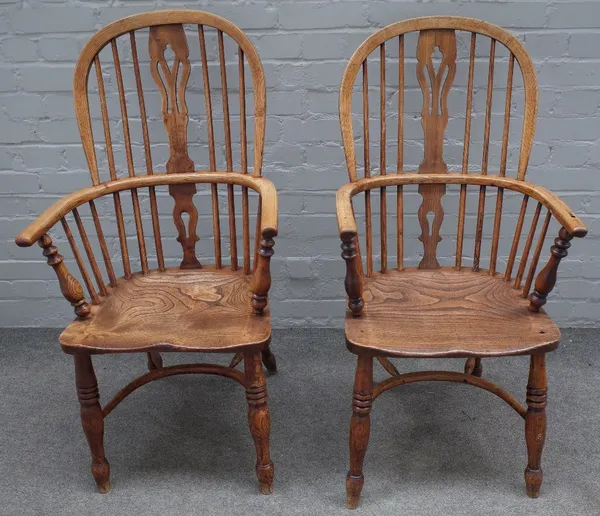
column 304, row 46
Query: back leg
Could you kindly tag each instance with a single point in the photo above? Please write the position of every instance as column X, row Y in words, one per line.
column 268, row 359
column 154, row 360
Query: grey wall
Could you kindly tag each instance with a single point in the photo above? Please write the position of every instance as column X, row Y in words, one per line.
column 304, row 46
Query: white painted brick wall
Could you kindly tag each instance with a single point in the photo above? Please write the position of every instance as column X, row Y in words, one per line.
column 304, row 46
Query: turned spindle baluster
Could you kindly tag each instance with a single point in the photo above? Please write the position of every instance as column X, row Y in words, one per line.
column 92, row 419
column 546, row 279
column 69, row 286
column 360, row 428
column 535, row 424
column 259, row 419
column 353, row 282
column 261, row 279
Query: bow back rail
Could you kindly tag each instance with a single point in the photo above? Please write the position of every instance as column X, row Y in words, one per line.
column 435, row 75
column 142, row 61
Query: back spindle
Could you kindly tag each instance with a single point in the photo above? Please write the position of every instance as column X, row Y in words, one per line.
column 367, row 164
column 516, row 239
column 536, row 254
column 400, row 158
column 211, row 146
column 228, row 152
column 485, row 157
column 460, row 233
column 79, row 261
column 244, row 162
column 89, row 252
column 148, row 159
column 112, row 280
column 382, row 163
column 527, row 248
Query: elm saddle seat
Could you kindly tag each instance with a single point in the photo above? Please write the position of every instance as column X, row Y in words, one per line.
column 174, row 310
column 406, row 314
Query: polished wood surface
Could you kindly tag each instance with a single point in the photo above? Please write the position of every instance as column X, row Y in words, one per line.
column 198, row 306
column 175, row 310
column 439, row 313
column 429, row 311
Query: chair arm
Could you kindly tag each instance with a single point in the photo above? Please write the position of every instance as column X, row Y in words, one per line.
column 565, row 216
column 59, row 209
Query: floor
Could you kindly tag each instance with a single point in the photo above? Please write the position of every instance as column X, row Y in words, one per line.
column 182, row 446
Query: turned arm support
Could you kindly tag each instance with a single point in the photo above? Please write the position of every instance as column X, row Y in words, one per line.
column 261, row 278
column 69, row 286
column 32, row 233
column 546, row 279
column 353, row 281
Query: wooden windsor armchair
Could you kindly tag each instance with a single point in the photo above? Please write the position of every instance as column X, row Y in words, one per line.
column 192, row 305
column 448, row 304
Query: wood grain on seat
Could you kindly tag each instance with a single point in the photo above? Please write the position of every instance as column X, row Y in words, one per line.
column 444, row 312
column 177, row 310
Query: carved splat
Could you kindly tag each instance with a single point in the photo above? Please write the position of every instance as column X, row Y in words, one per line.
column 171, row 79
column 435, row 85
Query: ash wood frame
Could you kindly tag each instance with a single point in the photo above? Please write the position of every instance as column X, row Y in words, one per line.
column 166, row 28
column 432, row 178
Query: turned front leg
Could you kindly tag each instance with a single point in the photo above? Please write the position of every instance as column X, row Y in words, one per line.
column 259, row 419
column 91, row 419
column 535, row 424
column 360, row 428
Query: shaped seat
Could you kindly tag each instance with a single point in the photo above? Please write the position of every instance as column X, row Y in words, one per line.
column 174, row 310
column 447, row 313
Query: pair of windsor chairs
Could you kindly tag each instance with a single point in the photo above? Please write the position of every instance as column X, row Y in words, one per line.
column 428, row 310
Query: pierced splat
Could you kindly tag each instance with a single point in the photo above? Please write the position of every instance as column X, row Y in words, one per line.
column 435, row 85
column 169, row 43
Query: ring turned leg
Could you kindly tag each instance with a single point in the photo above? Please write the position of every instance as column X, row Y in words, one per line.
column 91, row 419
column 360, row 427
column 268, row 359
column 535, row 424
column 154, row 360
column 259, row 419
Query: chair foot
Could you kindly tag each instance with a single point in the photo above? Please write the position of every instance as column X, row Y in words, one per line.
column 92, row 419
column 268, row 359
column 533, row 482
column 360, row 428
column 259, row 419
column 535, row 424
column 154, row 360
column 101, row 474
column 354, row 487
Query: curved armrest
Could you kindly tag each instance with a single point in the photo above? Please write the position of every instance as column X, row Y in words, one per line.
column 565, row 216
column 32, row 233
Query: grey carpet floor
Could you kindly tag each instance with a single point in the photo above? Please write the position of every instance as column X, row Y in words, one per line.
column 182, row 446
